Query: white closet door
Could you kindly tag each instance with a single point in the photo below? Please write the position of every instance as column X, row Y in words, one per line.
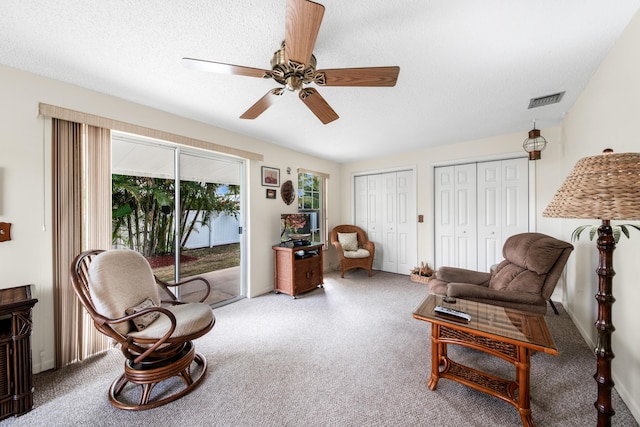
column 367, row 212
column 390, row 220
column 489, row 214
column 515, row 194
column 502, row 207
column 406, row 222
column 375, row 229
column 455, row 216
column 385, row 207
column 477, row 207
column 360, row 189
column 465, row 216
column 444, row 206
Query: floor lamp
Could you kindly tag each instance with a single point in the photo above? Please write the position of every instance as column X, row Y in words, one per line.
column 605, row 187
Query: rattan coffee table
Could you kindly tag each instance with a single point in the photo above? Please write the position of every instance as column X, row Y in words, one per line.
column 512, row 335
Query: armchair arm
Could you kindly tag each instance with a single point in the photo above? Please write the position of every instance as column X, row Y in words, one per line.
column 467, row 290
column 156, row 343
column 461, row 275
column 370, row 246
column 339, row 249
column 165, row 287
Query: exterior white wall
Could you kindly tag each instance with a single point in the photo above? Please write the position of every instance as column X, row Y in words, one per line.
column 221, row 229
column 25, row 187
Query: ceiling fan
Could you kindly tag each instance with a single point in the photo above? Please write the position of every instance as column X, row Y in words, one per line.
column 294, row 66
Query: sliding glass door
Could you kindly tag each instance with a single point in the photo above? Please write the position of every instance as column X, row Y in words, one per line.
column 182, row 209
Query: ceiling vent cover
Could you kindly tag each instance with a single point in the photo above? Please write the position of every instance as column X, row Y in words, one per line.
column 545, row 100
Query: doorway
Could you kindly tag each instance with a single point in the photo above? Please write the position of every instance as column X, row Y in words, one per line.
column 182, row 209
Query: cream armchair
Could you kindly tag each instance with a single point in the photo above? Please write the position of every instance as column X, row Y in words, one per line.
column 121, row 294
column 353, row 247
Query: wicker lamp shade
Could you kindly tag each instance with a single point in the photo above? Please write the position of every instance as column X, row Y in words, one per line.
column 606, row 186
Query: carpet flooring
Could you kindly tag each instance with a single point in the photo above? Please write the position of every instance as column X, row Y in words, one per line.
column 348, row 354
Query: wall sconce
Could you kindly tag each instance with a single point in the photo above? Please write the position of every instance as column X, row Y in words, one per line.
column 535, row 143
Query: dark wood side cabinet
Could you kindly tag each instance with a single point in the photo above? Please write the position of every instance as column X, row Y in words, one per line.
column 297, row 269
column 16, row 371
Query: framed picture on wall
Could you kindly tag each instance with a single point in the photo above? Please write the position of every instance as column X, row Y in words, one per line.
column 271, row 193
column 270, row 176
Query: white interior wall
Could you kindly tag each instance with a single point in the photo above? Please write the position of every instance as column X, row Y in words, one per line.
column 606, row 115
column 25, row 187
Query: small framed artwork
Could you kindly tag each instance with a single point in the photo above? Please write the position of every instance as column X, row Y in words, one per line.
column 270, row 177
column 271, row 193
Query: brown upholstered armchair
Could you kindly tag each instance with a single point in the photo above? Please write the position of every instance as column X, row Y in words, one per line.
column 122, row 296
column 354, row 249
column 525, row 279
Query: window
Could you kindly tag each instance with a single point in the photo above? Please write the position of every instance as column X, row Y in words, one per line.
column 312, row 200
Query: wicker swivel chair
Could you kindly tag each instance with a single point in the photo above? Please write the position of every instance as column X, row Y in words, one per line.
column 525, row 279
column 121, row 294
column 353, row 247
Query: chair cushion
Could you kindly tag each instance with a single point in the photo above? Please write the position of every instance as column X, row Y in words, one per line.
column 120, row 279
column 141, row 322
column 511, row 277
column 534, row 251
column 190, row 318
column 358, row 253
column 348, row 241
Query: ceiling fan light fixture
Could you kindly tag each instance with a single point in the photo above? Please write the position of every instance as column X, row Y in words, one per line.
column 293, row 83
column 534, row 144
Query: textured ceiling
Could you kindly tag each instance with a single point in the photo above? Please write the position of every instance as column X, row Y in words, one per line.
column 468, row 68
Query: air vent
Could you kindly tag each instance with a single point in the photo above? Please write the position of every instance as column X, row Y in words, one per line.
column 546, row 100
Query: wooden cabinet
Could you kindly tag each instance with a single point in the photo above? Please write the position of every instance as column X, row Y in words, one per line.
column 16, row 372
column 297, row 269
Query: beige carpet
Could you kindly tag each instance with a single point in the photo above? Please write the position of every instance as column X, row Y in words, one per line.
column 347, row 355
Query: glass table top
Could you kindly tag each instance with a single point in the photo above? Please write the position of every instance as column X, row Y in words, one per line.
column 491, row 321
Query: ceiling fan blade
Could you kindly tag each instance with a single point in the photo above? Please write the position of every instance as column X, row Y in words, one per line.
column 263, row 103
column 302, row 26
column 219, row 67
column 373, row 76
column 318, row 105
